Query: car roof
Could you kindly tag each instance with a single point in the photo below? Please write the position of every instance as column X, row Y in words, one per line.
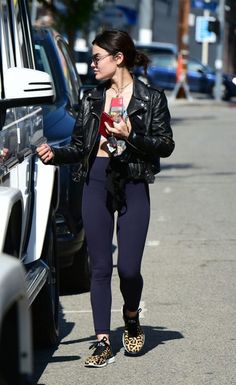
column 42, row 33
column 155, row 45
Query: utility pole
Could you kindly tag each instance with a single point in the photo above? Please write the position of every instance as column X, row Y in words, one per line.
column 145, row 20
column 181, row 89
column 220, row 51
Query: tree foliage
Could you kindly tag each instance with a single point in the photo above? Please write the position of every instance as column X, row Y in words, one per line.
column 69, row 16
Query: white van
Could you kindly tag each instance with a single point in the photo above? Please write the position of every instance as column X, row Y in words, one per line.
column 28, row 189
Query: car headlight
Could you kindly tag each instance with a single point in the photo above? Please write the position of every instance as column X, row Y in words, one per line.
column 234, row 80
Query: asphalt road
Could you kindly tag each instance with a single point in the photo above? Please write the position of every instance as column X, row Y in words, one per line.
column 189, row 270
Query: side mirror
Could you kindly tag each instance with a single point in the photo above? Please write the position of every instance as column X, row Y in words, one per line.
column 200, row 70
column 25, row 87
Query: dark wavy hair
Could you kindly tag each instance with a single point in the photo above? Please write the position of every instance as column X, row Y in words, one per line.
column 116, row 40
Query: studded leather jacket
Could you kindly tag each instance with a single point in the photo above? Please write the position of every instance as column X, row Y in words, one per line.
column 150, row 138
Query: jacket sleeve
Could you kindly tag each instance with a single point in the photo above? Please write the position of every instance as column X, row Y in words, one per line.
column 73, row 152
column 158, row 139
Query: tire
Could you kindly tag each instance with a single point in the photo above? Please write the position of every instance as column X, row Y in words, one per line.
column 76, row 278
column 45, row 308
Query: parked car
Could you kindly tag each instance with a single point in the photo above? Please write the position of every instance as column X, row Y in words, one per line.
column 53, row 56
column 81, row 55
column 162, row 71
column 28, row 189
column 16, row 352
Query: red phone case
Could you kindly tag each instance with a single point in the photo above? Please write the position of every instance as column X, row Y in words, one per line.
column 102, row 128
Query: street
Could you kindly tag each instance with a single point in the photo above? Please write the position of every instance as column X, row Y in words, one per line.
column 189, row 269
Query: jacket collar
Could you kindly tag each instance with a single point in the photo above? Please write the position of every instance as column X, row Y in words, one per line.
column 140, row 97
column 98, row 92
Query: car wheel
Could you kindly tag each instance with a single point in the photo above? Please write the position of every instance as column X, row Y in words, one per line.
column 45, row 308
column 76, row 278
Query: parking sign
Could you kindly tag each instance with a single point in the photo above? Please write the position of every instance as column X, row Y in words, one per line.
column 202, row 34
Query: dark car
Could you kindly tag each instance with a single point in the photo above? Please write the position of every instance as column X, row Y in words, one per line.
column 162, row 71
column 53, row 56
column 83, row 64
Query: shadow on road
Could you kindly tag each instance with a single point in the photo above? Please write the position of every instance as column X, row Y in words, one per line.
column 178, row 166
column 154, row 336
column 42, row 357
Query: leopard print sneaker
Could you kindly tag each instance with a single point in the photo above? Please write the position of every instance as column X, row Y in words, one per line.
column 101, row 356
column 133, row 337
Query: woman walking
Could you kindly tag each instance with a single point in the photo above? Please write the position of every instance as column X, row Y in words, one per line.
column 122, row 130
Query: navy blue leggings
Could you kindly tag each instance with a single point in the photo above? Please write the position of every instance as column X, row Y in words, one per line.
column 132, row 227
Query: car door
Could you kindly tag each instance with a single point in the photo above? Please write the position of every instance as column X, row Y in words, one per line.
column 21, row 126
column 197, row 76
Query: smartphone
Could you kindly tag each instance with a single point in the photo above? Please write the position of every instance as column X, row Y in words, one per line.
column 102, row 128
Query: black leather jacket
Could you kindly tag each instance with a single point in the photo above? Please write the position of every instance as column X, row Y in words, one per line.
column 149, row 139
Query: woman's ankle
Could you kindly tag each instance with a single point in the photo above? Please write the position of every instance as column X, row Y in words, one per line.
column 101, row 336
column 131, row 314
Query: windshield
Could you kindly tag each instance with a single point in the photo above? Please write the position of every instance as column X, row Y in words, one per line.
column 159, row 56
column 162, row 60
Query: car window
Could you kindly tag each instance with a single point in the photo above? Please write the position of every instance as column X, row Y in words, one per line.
column 70, row 73
column 19, row 125
column 6, row 38
column 194, row 66
column 159, row 56
column 42, row 62
column 162, row 60
column 15, row 36
column 23, row 53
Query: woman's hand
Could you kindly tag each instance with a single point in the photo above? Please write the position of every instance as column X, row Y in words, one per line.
column 120, row 129
column 45, row 152
column 4, row 153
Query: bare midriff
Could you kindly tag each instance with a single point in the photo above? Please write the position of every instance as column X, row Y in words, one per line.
column 102, row 149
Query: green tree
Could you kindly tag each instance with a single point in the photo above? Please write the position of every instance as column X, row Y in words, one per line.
column 74, row 15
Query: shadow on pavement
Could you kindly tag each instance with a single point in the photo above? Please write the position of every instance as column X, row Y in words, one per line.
column 154, row 336
column 44, row 356
column 178, row 166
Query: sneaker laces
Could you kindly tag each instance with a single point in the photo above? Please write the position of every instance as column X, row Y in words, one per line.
column 132, row 324
column 99, row 346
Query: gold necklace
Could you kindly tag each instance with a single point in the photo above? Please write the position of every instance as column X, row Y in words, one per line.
column 120, row 90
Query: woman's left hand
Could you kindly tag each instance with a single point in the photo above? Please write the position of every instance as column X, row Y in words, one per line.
column 4, row 153
column 120, row 129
